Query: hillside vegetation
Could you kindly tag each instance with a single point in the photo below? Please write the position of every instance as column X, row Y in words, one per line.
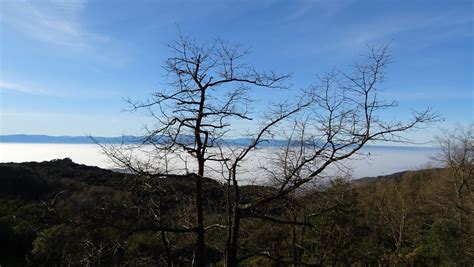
column 62, row 213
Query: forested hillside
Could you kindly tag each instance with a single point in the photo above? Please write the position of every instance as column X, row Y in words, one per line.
column 61, row 213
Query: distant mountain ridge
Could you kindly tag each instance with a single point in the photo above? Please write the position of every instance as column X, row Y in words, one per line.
column 63, row 139
column 397, row 176
column 130, row 139
column 127, row 139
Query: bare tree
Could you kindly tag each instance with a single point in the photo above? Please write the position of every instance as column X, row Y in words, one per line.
column 208, row 91
column 457, row 155
column 342, row 116
column 208, row 88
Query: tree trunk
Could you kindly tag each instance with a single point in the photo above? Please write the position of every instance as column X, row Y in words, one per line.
column 233, row 239
column 201, row 257
column 169, row 258
column 234, row 223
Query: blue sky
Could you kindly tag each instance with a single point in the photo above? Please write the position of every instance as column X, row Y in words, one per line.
column 66, row 66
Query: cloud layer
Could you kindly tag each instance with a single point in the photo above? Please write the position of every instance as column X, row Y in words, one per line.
column 51, row 21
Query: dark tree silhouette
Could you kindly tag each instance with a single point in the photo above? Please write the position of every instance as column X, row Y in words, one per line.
column 208, row 91
column 339, row 116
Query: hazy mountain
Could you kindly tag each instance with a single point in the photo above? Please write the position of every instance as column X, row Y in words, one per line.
column 64, row 139
column 25, row 138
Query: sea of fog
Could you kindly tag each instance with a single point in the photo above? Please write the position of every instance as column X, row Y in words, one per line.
column 377, row 160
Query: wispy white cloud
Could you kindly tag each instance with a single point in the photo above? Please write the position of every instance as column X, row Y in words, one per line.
column 72, row 91
column 386, row 28
column 22, row 88
column 319, row 7
column 51, row 21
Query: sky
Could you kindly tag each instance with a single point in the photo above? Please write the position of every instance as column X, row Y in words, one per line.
column 66, row 66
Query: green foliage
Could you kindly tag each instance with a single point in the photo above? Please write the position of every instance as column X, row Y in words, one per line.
column 57, row 245
column 19, row 223
column 439, row 244
column 398, row 220
column 144, row 248
column 257, row 261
